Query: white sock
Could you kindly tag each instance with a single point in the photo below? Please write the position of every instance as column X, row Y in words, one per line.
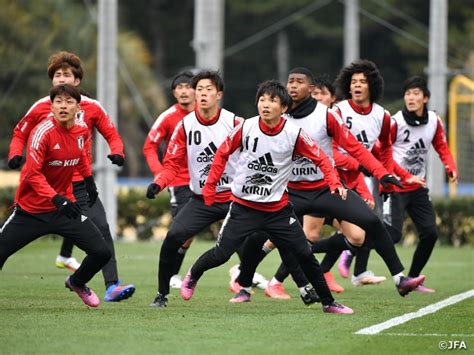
column 397, row 277
column 304, row 290
column 266, row 249
column 248, row 289
column 274, row 282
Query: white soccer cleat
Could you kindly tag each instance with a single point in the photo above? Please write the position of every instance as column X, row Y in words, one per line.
column 259, row 281
column 67, row 263
column 176, row 281
column 367, row 278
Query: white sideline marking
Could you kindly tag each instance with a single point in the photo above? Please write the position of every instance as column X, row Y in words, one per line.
column 427, row 335
column 420, row 313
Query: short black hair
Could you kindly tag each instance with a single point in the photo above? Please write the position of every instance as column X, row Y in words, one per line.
column 213, row 75
column 304, row 71
column 185, row 77
column 370, row 70
column 416, row 82
column 275, row 89
column 65, row 89
column 322, row 81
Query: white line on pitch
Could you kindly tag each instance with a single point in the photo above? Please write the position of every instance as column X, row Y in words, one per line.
column 377, row 328
column 427, row 335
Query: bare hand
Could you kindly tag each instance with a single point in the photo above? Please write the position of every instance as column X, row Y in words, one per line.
column 415, row 180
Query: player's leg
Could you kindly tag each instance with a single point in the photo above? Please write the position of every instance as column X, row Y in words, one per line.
column 193, row 218
column 286, row 232
column 422, row 213
column 20, row 229
column 239, row 223
column 115, row 291
column 179, row 196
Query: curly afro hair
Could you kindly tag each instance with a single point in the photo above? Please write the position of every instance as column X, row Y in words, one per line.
column 370, row 70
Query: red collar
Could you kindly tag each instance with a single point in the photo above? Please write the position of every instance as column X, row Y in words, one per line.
column 271, row 131
column 359, row 109
column 211, row 121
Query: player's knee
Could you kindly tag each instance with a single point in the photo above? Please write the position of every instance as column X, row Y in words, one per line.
column 429, row 234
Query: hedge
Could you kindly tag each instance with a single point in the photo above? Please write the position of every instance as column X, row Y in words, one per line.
column 142, row 219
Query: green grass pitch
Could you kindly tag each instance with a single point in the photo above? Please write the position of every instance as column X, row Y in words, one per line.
column 38, row 315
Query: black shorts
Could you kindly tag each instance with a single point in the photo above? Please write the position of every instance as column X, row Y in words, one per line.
column 179, row 196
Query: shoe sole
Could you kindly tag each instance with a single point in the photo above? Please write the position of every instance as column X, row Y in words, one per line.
column 367, row 283
column 127, row 293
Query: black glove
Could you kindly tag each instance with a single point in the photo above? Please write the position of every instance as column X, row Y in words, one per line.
column 116, row 159
column 390, row 179
column 152, row 190
column 364, row 171
column 15, row 162
column 66, row 207
column 91, row 189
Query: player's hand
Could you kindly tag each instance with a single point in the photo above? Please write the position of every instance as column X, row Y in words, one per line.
column 341, row 191
column 370, row 203
column 15, row 162
column 66, row 207
column 91, row 189
column 453, row 177
column 209, row 194
column 415, row 180
column 364, row 171
column 116, row 159
column 152, row 190
column 390, row 179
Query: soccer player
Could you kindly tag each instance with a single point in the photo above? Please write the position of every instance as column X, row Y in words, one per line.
column 267, row 146
column 414, row 131
column 361, row 85
column 309, row 193
column 194, row 143
column 66, row 68
column 162, row 130
column 44, row 202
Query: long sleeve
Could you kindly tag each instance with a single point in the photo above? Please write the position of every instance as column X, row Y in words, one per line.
column 440, row 144
column 152, row 143
column 307, row 147
column 230, row 145
column 84, row 168
column 107, row 129
column 34, row 165
column 386, row 151
column 344, row 138
column 175, row 156
column 38, row 112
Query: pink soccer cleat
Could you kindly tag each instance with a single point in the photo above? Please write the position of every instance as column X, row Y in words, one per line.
column 188, row 286
column 86, row 294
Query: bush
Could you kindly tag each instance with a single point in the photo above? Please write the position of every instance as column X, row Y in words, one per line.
column 142, row 219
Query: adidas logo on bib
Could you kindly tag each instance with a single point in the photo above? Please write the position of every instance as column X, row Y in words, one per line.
column 264, row 164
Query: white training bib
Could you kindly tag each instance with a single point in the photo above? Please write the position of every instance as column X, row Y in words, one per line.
column 315, row 125
column 202, row 142
column 412, row 143
column 265, row 162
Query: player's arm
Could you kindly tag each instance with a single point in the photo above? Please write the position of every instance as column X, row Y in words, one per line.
column 343, row 137
column 385, row 139
column 152, row 144
column 307, row 147
column 22, row 131
column 35, row 155
column 107, row 129
column 175, row 157
column 440, row 144
column 229, row 146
